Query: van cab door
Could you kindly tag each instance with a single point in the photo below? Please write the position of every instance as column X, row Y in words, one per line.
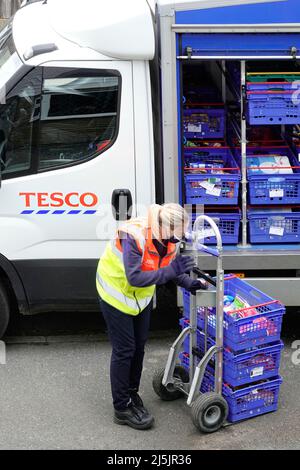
column 66, row 143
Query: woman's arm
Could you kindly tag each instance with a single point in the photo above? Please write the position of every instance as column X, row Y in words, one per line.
column 132, row 259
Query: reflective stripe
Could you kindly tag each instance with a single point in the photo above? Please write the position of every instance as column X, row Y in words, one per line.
column 133, row 304
column 116, row 294
column 144, row 302
column 116, row 251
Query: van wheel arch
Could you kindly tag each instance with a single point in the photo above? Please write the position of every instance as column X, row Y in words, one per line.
column 12, row 289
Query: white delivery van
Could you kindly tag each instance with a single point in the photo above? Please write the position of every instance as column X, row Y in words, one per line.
column 92, row 131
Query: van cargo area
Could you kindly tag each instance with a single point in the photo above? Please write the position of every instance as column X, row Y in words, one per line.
column 239, row 148
column 256, row 188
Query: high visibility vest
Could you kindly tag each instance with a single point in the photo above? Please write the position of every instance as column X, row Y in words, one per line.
column 111, row 281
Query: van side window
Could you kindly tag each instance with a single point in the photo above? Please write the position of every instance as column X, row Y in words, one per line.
column 56, row 117
column 79, row 115
column 19, row 123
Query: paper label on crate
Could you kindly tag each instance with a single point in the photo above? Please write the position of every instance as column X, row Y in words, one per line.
column 194, row 128
column 214, row 191
column 207, row 232
column 206, row 185
column 276, row 231
column 257, row 371
column 276, row 192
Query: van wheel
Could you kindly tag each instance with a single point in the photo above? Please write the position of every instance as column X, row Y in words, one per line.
column 4, row 310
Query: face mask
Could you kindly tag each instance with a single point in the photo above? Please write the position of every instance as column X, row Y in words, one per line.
column 174, row 240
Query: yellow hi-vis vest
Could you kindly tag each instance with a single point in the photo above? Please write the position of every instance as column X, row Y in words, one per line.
column 111, row 281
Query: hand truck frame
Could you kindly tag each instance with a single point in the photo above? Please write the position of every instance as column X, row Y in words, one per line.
column 209, row 410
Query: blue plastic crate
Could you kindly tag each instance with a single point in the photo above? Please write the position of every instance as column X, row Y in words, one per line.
column 241, row 332
column 278, row 188
column 212, row 187
column 186, row 301
column 228, row 223
column 206, row 122
column 273, row 86
column 256, row 364
column 245, row 367
column 245, row 402
column 268, row 107
column 271, row 226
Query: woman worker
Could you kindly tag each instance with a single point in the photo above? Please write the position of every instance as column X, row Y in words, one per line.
column 143, row 255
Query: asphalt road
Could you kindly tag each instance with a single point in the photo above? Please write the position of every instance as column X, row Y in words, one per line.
column 55, row 394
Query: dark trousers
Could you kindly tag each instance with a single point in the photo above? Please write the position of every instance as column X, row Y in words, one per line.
column 128, row 335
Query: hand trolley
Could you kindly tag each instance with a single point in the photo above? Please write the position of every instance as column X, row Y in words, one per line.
column 209, row 410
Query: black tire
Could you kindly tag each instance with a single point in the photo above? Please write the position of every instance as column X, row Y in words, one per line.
column 170, row 393
column 209, row 412
column 4, row 310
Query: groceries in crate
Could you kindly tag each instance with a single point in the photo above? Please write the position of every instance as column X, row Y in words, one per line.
column 201, row 162
column 205, row 122
column 238, row 307
column 256, row 394
column 269, row 164
column 202, row 143
column 195, row 121
column 253, row 313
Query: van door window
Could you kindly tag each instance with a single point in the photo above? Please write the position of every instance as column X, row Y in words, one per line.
column 79, row 115
column 19, row 123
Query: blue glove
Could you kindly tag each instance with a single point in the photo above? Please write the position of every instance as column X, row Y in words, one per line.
column 182, row 264
column 197, row 285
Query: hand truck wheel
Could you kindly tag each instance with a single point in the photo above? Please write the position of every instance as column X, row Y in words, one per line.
column 209, row 412
column 170, row 392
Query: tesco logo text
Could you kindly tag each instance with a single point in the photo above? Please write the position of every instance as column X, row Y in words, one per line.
column 59, row 199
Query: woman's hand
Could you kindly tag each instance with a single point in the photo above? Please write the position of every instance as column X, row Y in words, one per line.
column 197, row 285
column 182, row 264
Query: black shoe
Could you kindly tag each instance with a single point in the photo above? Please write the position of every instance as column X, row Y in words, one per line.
column 134, row 418
column 138, row 402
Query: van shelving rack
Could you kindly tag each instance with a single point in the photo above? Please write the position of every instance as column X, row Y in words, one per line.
column 230, row 182
column 243, row 257
column 240, row 129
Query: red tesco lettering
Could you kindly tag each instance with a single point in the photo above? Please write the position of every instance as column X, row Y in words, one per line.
column 59, row 199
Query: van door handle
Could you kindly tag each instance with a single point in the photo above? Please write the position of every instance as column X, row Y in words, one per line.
column 121, row 202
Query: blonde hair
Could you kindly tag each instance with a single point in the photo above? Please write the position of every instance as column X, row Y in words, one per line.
column 168, row 218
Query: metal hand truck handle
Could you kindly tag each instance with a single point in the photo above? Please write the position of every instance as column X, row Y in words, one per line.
column 212, row 223
column 219, row 284
column 206, row 277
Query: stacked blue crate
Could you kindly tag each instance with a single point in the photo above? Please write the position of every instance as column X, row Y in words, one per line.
column 211, row 174
column 273, row 98
column 252, row 349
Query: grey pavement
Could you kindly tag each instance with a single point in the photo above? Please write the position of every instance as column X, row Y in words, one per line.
column 57, row 396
